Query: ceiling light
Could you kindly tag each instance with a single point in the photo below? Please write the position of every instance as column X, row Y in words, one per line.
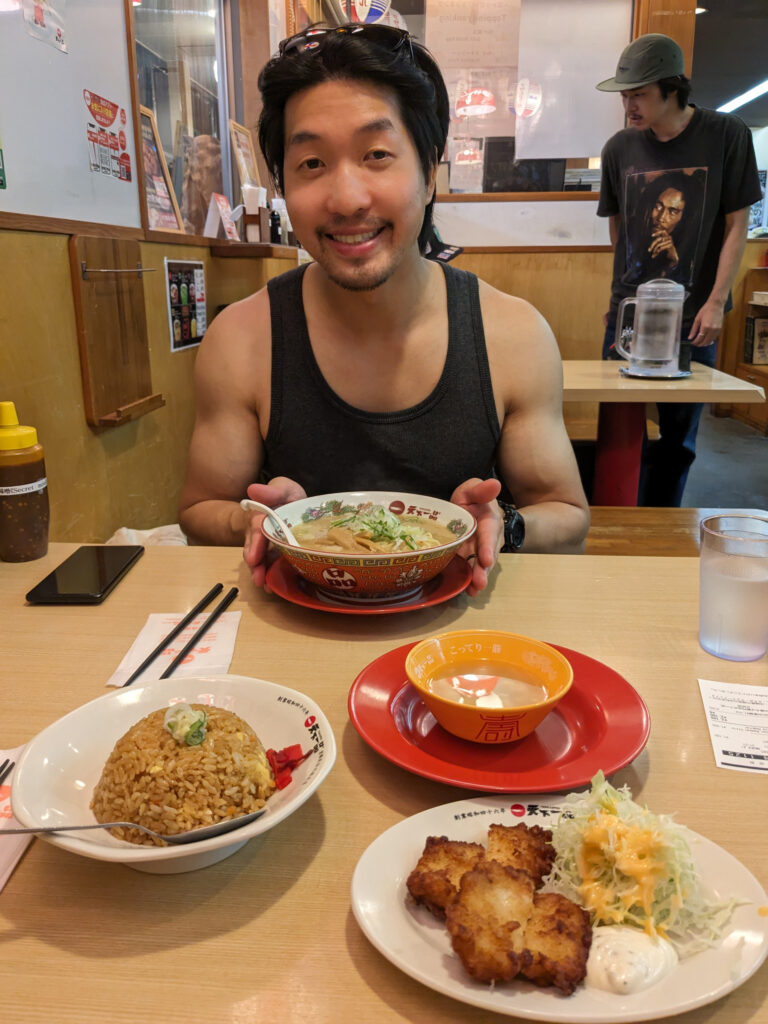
column 746, row 97
column 701, row 10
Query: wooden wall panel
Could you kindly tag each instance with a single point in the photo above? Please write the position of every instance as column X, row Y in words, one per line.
column 132, row 475
column 674, row 18
column 571, row 290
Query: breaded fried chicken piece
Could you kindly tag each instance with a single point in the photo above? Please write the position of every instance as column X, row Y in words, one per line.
column 487, row 921
column 558, row 936
column 525, row 848
column 435, row 879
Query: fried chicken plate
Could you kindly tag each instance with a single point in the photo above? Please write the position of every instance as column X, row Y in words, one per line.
column 501, row 927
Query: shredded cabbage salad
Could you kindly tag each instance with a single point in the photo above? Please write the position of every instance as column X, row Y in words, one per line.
column 626, row 865
column 379, row 524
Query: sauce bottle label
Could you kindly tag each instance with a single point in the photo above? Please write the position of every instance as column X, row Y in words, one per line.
column 32, row 488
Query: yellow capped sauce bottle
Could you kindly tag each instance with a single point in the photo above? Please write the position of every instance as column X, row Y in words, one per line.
column 24, row 512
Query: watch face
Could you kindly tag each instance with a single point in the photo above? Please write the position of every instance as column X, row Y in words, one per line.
column 514, row 529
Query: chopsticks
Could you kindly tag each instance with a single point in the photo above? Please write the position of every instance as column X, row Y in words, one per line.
column 221, row 607
column 5, row 769
column 201, row 604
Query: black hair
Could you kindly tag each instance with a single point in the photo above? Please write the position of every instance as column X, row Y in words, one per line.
column 407, row 69
column 679, row 84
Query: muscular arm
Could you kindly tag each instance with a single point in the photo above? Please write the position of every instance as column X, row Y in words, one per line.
column 709, row 319
column 536, row 459
column 226, row 450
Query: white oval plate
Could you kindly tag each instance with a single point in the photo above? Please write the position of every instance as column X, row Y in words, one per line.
column 416, row 942
column 58, row 769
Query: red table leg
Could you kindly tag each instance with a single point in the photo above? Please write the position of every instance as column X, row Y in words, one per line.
column 620, row 430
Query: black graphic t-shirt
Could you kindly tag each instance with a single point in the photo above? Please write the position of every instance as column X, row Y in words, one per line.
column 673, row 197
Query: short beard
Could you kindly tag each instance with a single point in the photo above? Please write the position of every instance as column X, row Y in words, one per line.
column 360, row 286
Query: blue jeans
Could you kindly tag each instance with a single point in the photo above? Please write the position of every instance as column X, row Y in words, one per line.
column 666, row 463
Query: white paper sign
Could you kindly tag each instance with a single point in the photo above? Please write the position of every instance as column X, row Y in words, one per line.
column 737, row 717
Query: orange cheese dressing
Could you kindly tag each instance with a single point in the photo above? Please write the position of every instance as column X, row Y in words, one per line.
column 629, row 850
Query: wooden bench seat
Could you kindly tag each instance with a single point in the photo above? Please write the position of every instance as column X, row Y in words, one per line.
column 617, row 530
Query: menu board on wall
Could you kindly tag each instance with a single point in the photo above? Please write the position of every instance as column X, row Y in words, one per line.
column 185, row 292
column 65, row 115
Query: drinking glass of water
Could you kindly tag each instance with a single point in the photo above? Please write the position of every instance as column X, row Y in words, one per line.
column 733, row 594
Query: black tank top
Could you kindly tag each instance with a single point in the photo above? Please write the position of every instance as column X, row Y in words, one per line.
column 327, row 445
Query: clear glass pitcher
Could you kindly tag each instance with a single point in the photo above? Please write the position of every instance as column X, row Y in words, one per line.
column 654, row 348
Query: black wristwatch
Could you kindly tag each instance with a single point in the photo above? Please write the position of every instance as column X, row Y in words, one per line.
column 514, row 528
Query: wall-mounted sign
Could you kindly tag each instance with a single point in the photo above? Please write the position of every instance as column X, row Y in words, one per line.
column 185, row 291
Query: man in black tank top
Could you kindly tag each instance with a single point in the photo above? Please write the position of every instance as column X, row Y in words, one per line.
column 374, row 368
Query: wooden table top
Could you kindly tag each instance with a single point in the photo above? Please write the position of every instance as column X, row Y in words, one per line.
column 599, row 380
column 630, row 530
column 268, row 934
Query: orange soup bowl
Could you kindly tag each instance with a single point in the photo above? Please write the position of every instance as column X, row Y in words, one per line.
column 492, row 667
column 369, row 576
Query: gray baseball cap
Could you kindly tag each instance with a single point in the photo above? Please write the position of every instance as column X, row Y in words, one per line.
column 648, row 59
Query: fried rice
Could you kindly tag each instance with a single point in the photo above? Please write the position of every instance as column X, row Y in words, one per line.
column 153, row 780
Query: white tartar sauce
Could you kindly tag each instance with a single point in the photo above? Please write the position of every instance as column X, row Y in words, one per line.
column 626, row 960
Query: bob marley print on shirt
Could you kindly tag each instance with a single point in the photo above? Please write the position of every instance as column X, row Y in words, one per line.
column 663, row 217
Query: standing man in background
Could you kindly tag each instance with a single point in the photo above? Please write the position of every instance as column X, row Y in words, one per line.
column 713, row 160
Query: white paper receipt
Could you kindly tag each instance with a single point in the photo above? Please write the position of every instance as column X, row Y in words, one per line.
column 737, row 717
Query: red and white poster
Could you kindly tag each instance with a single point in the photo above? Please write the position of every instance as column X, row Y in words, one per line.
column 106, row 137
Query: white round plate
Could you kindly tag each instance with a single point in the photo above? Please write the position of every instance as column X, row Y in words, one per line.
column 58, row 769
column 416, row 942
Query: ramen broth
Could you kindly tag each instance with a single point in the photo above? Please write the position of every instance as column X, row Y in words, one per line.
column 337, row 531
column 486, row 685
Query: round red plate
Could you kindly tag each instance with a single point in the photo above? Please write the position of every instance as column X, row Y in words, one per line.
column 286, row 583
column 601, row 723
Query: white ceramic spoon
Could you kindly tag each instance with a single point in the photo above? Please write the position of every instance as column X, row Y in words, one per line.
column 256, row 506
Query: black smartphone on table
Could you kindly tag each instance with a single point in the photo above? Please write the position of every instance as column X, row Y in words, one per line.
column 87, row 576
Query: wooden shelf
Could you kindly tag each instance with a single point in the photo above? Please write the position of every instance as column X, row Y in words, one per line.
column 754, row 415
column 251, row 250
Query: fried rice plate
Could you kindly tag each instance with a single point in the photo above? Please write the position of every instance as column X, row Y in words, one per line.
column 153, row 780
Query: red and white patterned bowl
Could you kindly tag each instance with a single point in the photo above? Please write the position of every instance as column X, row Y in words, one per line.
column 372, row 577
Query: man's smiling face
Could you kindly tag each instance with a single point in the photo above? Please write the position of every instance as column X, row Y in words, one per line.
column 353, row 182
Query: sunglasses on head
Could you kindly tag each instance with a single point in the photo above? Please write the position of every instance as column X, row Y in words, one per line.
column 310, row 41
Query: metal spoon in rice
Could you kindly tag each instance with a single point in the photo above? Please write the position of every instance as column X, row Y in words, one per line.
column 194, row 835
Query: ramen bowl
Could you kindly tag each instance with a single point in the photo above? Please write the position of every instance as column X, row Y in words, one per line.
column 371, row 576
column 486, row 685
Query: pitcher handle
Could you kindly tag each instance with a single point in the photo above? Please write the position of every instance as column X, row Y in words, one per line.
column 619, row 323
